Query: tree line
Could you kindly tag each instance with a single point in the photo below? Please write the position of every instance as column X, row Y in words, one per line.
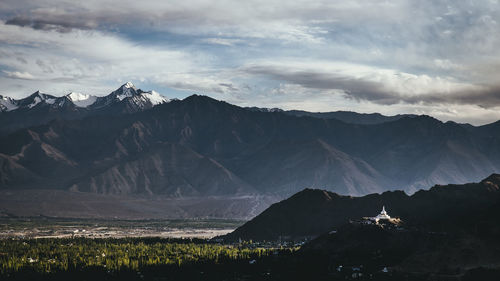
column 56, row 254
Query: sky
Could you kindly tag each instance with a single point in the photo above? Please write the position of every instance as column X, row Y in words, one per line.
column 440, row 58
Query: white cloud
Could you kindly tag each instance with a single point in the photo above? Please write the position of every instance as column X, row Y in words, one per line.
column 19, row 75
column 86, row 58
column 223, row 41
column 207, row 83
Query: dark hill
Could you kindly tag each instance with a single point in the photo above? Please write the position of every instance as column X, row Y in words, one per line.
column 313, row 212
column 453, row 236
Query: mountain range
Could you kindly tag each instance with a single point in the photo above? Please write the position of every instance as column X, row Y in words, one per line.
column 137, row 143
column 346, row 116
column 39, row 108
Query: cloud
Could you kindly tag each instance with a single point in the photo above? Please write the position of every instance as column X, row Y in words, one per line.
column 21, row 59
column 381, row 86
column 485, row 97
column 19, row 75
column 82, row 58
column 194, row 82
column 64, row 24
column 253, row 19
column 223, row 41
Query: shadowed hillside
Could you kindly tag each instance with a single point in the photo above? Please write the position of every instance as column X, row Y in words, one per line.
column 314, row 212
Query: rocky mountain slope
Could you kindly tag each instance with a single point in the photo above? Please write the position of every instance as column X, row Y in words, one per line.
column 133, row 142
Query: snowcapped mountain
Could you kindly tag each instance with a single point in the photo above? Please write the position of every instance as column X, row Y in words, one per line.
column 7, row 104
column 81, row 100
column 39, row 108
column 154, row 97
column 131, row 98
column 35, row 100
column 136, row 99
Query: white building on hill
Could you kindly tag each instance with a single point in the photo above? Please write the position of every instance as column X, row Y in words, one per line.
column 381, row 219
column 382, row 216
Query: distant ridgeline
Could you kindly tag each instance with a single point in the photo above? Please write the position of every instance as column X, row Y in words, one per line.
column 472, row 207
column 133, row 142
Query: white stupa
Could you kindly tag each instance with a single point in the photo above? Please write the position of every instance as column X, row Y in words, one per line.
column 382, row 216
column 381, row 219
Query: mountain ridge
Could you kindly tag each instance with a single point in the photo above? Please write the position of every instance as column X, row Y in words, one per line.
column 253, row 152
column 39, row 108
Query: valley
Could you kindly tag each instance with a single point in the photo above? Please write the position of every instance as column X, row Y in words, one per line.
column 313, row 234
column 67, row 204
column 46, row 227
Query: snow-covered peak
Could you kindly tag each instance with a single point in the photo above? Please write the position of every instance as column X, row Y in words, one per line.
column 7, row 104
column 134, row 100
column 127, row 90
column 128, row 85
column 81, row 100
column 37, row 98
column 40, row 95
column 154, row 97
column 50, row 101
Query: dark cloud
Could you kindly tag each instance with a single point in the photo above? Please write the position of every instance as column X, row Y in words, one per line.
column 22, row 60
column 229, row 86
column 61, row 24
column 354, row 88
column 45, row 67
column 485, row 96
